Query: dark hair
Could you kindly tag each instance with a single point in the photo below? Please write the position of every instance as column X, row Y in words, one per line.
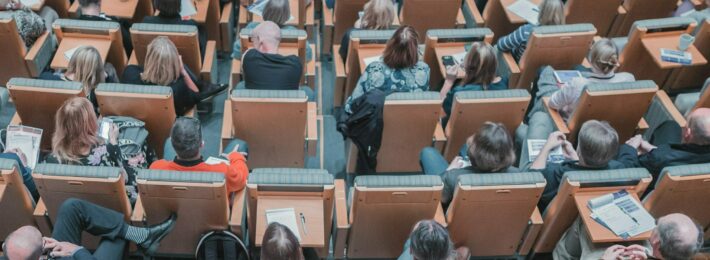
column 480, row 65
column 85, row 3
column 168, row 7
column 280, row 243
column 492, row 148
column 430, row 241
column 186, row 137
column 597, row 143
column 674, row 248
column 402, row 50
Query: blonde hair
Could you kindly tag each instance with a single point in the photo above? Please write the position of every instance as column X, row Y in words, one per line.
column 87, row 67
column 552, row 12
column 480, row 65
column 378, row 15
column 75, row 130
column 277, row 11
column 604, row 56
column 162, row 62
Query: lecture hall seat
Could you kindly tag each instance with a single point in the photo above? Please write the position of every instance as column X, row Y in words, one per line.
column 94, row 30
column 425, row 15
column 600, row 13
column 691, row 77
column 687, row 102
column 631, row 11
column 16, row 203
column 337, row 21
column 442, row 40
column 370, row 41
column 21, row 61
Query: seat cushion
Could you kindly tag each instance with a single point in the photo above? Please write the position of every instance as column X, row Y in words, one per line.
column 78, row 171
column 382, row 181
column 180, row 176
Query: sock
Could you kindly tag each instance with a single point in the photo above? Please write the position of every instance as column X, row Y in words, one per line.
column 136, row 234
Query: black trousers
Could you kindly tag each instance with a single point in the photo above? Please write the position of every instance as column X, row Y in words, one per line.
column 76, row 216
column 669, row 132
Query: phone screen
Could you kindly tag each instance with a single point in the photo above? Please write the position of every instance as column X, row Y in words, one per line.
column 448, row 60
column 104, row 129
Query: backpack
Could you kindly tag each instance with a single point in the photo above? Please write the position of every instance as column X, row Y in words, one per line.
column 221, row 245
column 133, row 141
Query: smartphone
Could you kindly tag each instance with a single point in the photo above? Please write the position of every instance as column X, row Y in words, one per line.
column 105, row 128
column 448, row 60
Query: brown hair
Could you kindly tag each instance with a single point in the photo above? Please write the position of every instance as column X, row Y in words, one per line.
column 378, row 15
column 87, row 67
column 280, row 243
column 162, row 62
column 168, row 7
column 480, row 65
column 597, row 143
column 75, row 130
column 277, row 11
column 552, row 12
column 604, row 56
column 402, row 50
column 491, row 149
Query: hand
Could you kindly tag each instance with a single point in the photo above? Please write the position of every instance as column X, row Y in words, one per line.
column 646, row 147
column 357, row 24
column 64, row 249
column 635, row 252
column 113, row 134
column 48, row 243
column 452, row 72
column 19, row 153
column 456, row 163
column 569, row 152
column 614, row 252
column 555, row 139
column 635, row 141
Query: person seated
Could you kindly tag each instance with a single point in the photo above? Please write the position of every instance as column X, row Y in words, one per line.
column 489, row 150
column 479, row 66
column 376, row 15
column 551, row 13
column 279, row 12
column 263, row 61
column 86, row 67
column 186, row 139
column 429, row 240
column 672, row 145
column 399, row 69
column 675, row 236
column 75, row 217
column 169, row 13
column 280, row 243
column 163, row 66
column 90, row 10
column 597, row 149
column 29, row 24
column 25, row 172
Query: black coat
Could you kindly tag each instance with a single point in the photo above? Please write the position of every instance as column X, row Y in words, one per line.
column 364, row 127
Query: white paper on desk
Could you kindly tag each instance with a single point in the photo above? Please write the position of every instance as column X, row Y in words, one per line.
column 187, row 8
column 257, row 8
column 70, row 52
column 634, row 209
column 286, row 217
column 371, row 59
column 214, row 161
column 458, row 57
column 26, row 139
column 29, row 3
column 526, row 10
column 614, row 219
column 535, row 146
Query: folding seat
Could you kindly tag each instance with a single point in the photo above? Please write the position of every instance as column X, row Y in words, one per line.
column 441, row 42
column 227, row 24
column 623, row 105
column 150, row 104
column 60, row 6
column 105, row 36
column 631, row 11
column 692, row 77
column 303, row 16
column 337, row 21
column 424, row 15
column 185, row 38
column 37, row 101
column 16, row 203
column 600, row 13
column 496, row 214
column 20, row 61
column 562, row 211
column 690, row 101
column 363, row 44
column 559, row 46
column 503, row 106
column 382, row 211
column 199, row 199
column 501, row 21
column 308, row 191
column 662, row 110
column 279, row 126
column 410, row 124
column 680, row 189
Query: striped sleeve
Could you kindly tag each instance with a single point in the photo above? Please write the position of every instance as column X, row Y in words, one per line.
column 515, row 39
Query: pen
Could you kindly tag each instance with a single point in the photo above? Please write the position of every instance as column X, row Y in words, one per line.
column 303, row 223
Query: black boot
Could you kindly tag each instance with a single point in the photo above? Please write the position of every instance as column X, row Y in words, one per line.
column 212, row 90
column 156, row 233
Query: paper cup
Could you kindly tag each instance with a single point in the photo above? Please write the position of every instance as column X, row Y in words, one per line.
column 685, row 41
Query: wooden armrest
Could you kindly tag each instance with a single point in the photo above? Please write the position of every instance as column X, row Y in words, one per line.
column 439, row 216
column 439, row 137
column 556, row 117
column 340, row 78
column 312, row 128
column 513, row 67
column 236, row 72
column 32, row 53
column 138, row 215
column 328, row 16
column 243, row 19
column 342, row 225
column 460, row 19
column 534, row 227
column 226, row 26
column 670, row 107
column 42, row 219
column 236, row 219
column 470, row 6
column 642, row 125
column 15, row 119
column 133, row 60
column 210, row 58
column 74, row 9
column 311, row 69
column 227, row 125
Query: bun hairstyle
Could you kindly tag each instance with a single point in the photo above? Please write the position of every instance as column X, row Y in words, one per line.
column 604, row 56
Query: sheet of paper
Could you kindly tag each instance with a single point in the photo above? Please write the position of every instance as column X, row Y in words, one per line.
column 26, row 139
column 637, row 213
column 526, row 10
column 214, row 161
column 187, row 8
column 458, row 57
column 615, row 219
column 371, row 60
column 534, row 147
column 566, row 76
column 70, row 52
column 29, row 2
column 286, row 217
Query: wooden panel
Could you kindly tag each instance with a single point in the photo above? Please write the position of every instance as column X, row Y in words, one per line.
column 187, row 44
column 60, row 61
column 424, row 15
column 16, row 205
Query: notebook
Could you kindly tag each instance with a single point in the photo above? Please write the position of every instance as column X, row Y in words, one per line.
column 526, row 10
column 286, row 217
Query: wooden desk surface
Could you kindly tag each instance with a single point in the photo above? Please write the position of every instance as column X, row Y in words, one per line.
column 512, row 17
column 123, row 9
column 312, row 209
column 653, row 47
column 367, row 52
column 597, row 232
column 442, row 51
column 61, row 62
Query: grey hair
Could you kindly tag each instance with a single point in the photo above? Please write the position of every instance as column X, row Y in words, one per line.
column 186, row 137
column 430, row 241
column 597, row 143
column 672, row 246
column 700, row 128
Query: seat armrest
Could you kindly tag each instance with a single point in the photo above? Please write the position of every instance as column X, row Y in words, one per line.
column 133, row 60
column 668, row 105
column 312, row 128
column 328, row 15
column 236, row 72
column 642, row 126
column 661, row 110
column 460, row 19
column 311, row 69
column 15, row 119
column 226, row 24
column 508, row 67
column 243, row 19
column 340, row 77
column 470, row 7
column 531, row 233
column 439, row 137
column 560, row 124
column 74, row 10
column 439, row 216
column 209, row 64
column 40, row 54
column 227, row 125
column 138, row 215
column 42, row 218
column 236, row 219
column 342, row 225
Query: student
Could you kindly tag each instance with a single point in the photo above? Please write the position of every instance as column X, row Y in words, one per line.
column 169, row 13
column 430, row 241
column 399, row 69
column 376, row 15
column 280, row 243
column 551, row 13
column 30, row 25
column 91, row 11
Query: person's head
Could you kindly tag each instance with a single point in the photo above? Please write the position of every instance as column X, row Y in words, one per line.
column 90, row 3
column 480, row 65
column 552, row 12
column 604, row 56
column 162, row 62
column 87, row 67
column 266, row 37
column 280, row 243
column 402, row 49
column 277, row 11
column 676, row 237
column 75, row 129
column 186, row 138
column 597, row 143
column 698, row 129
column 24, row 243
column 491, row 149
column 430, row 241
column 378, row 15
column 168, row 7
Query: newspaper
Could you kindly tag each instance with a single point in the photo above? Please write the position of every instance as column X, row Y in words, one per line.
column 26, row 139
column 621, row 214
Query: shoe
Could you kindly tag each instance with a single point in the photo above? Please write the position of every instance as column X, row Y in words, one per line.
column 156, row 233
column 212, row 90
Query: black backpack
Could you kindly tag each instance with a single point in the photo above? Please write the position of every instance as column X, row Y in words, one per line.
column 221, row 245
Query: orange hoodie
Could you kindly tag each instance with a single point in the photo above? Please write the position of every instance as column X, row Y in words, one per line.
column 235, row 173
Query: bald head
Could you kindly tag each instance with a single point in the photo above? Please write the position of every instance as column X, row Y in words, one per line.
column 698, row 130
column 24, row 244
column 266, row 37
column 676, row 237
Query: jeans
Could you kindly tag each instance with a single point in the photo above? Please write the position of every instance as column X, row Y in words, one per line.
column 26, row 174
column 76, row 216
column 539, row 127
column 433, row 163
